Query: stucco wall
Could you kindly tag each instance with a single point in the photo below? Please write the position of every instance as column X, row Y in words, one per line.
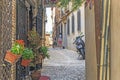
column 90, row 46
column 115, row 39
column 65, row 41
column 72, row 36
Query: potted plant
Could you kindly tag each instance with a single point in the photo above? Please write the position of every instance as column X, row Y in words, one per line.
column 15, row 52
column 35, row 75
column 35, row 43
column 27, row 57
column 43, row 50
column 34, row 40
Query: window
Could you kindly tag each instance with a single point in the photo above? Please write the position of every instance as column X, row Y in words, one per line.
column 79, row 20
column 68, row 27
column 73, row 27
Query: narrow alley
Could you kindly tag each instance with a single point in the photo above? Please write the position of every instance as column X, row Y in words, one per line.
column 28, row 28
column 63, row 65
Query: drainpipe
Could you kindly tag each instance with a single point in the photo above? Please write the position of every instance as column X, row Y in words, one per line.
column 107, row 39
column 104, row 64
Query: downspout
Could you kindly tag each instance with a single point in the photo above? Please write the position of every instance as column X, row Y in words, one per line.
column 107, row 39
column 102, row 40
column 104, row 64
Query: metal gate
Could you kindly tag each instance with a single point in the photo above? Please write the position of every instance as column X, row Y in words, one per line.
column 5, row 37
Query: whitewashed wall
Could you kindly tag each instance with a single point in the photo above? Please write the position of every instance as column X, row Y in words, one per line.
column 72, row 36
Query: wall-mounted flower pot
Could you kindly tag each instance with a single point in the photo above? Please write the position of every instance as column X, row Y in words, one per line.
column 25, row 62
column 36, row 75
column 11, row 58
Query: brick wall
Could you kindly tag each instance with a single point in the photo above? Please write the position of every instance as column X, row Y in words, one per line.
column 8, row 35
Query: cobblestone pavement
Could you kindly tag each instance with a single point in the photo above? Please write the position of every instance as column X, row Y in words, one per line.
column 63, row 65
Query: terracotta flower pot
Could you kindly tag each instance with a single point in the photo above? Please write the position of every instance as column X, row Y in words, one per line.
column 25, row 62
column 11, row 58
column 36, row 75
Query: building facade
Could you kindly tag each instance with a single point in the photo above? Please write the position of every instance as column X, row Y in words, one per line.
column 75, row 24
column 102, row 58
column 69, row 25
column 47, row 40
column 17, row 17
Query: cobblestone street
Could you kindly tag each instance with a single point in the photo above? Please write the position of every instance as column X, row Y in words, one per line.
column 63, row 65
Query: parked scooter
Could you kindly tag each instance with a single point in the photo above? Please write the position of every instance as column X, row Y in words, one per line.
column 80, row 46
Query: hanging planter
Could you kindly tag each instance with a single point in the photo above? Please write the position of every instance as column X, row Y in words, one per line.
column 11, row 58
column 43, row 50
column 27, row 57
column 14, row 53
column 25, row 62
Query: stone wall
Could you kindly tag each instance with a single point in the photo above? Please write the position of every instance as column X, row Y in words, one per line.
column 12, row 24
column 5, row 37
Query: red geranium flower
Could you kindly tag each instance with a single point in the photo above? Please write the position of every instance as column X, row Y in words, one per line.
column 21, row 42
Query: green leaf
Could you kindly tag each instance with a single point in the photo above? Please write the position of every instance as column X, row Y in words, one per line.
column 44, row 51
column 17, row 49
column 75, row 3
column 27, row 54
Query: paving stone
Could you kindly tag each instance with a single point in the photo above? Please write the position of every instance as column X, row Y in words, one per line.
column 64, row 65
